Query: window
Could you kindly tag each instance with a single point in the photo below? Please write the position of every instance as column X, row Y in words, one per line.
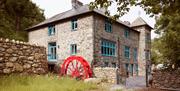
column 136, row 68
column 108, row 48
column 147, row 55
column 135, row 54
column 51, row 30
column 108, row 26
column 131, row 69
column 126, row 33
column 74, row 24
column 73, row 49
column 148, row 38
column 127, row 52
column 127, row 69
column 52, row 51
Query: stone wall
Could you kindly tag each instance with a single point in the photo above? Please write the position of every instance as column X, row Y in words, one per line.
column 20, row 57
column 106, row 73
column 166, row 79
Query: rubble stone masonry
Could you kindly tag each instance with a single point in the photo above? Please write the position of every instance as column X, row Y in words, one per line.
column 20, row 57
column 166, row 79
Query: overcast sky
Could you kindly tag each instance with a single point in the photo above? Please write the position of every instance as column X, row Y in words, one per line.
column 53, row 7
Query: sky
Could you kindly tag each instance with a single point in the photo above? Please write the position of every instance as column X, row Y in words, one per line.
column 53, row 7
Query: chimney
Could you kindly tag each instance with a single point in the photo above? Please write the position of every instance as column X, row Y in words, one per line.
column 76, row 4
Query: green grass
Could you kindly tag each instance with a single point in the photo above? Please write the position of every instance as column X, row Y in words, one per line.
column 43, row 83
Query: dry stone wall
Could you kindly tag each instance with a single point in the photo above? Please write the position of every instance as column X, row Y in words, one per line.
column 105, row 73
column 166, row 79
column 20, row 57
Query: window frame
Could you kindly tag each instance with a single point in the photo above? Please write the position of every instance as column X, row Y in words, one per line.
column 148, row 38
column 136, row 69
column 51, row 30
column 73, row 49
column 108, row 26
column 131, row 69
column 74, row 24
column 51, row 56
column 135, row 54
column 147, row 55
column 126, row 33
column 127, row 50
column 108, row 48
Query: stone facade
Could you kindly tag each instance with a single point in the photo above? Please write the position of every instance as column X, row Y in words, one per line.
column 117, row 36
column 166, row 79
column 20, row 57
column 144, row 46
column 106, row 73
column 64, row 37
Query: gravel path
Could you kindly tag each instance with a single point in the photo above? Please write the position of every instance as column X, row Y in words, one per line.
column 136, row 82
column 132, row 84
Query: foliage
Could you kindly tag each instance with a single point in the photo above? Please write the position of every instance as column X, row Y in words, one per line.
column 156, row 56
column 150, row 6
column 43, row 83
column 168, row 23
column 16, row 16
column 169, row 26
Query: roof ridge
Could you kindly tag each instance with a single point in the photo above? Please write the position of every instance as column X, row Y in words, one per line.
column 139, row 21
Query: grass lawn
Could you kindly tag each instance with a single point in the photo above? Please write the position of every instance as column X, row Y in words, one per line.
column 44, row 83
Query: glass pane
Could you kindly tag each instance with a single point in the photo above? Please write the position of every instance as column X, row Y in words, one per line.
column 76, row 24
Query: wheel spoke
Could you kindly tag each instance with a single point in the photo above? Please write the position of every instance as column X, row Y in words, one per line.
column 69, row 71
column 72, row 64
column 77, row 65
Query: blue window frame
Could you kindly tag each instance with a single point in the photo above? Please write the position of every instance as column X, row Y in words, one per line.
column 74, row 24
column 51, row 30
column 127, row 67
column 131, row 69
column 52, row 55
column 135, row 54
column 126, row 33
column 108, row 48
column 127, row 52
column 108, row 26
column 136, row 68
column 73, row 49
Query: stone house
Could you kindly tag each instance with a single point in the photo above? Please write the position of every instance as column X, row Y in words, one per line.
column 90, row 34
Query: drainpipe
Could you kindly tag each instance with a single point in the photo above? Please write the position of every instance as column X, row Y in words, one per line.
column 146, row 75
column 118, row 57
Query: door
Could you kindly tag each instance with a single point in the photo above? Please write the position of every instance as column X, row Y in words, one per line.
column 52, row 53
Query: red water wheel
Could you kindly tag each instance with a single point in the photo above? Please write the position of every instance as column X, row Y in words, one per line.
column 76, row 67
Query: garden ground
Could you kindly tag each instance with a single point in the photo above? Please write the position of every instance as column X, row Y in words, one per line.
column 54, row 83
column 44, row 83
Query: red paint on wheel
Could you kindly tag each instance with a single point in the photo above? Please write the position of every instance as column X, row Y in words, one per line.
column 76, row 67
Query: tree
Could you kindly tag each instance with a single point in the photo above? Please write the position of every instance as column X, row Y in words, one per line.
column 19, row 9
column 16, row 16
column 168, row 23
column 156, row 56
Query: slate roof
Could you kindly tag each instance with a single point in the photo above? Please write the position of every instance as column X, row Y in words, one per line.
column 139, row 22
column 70, row 13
